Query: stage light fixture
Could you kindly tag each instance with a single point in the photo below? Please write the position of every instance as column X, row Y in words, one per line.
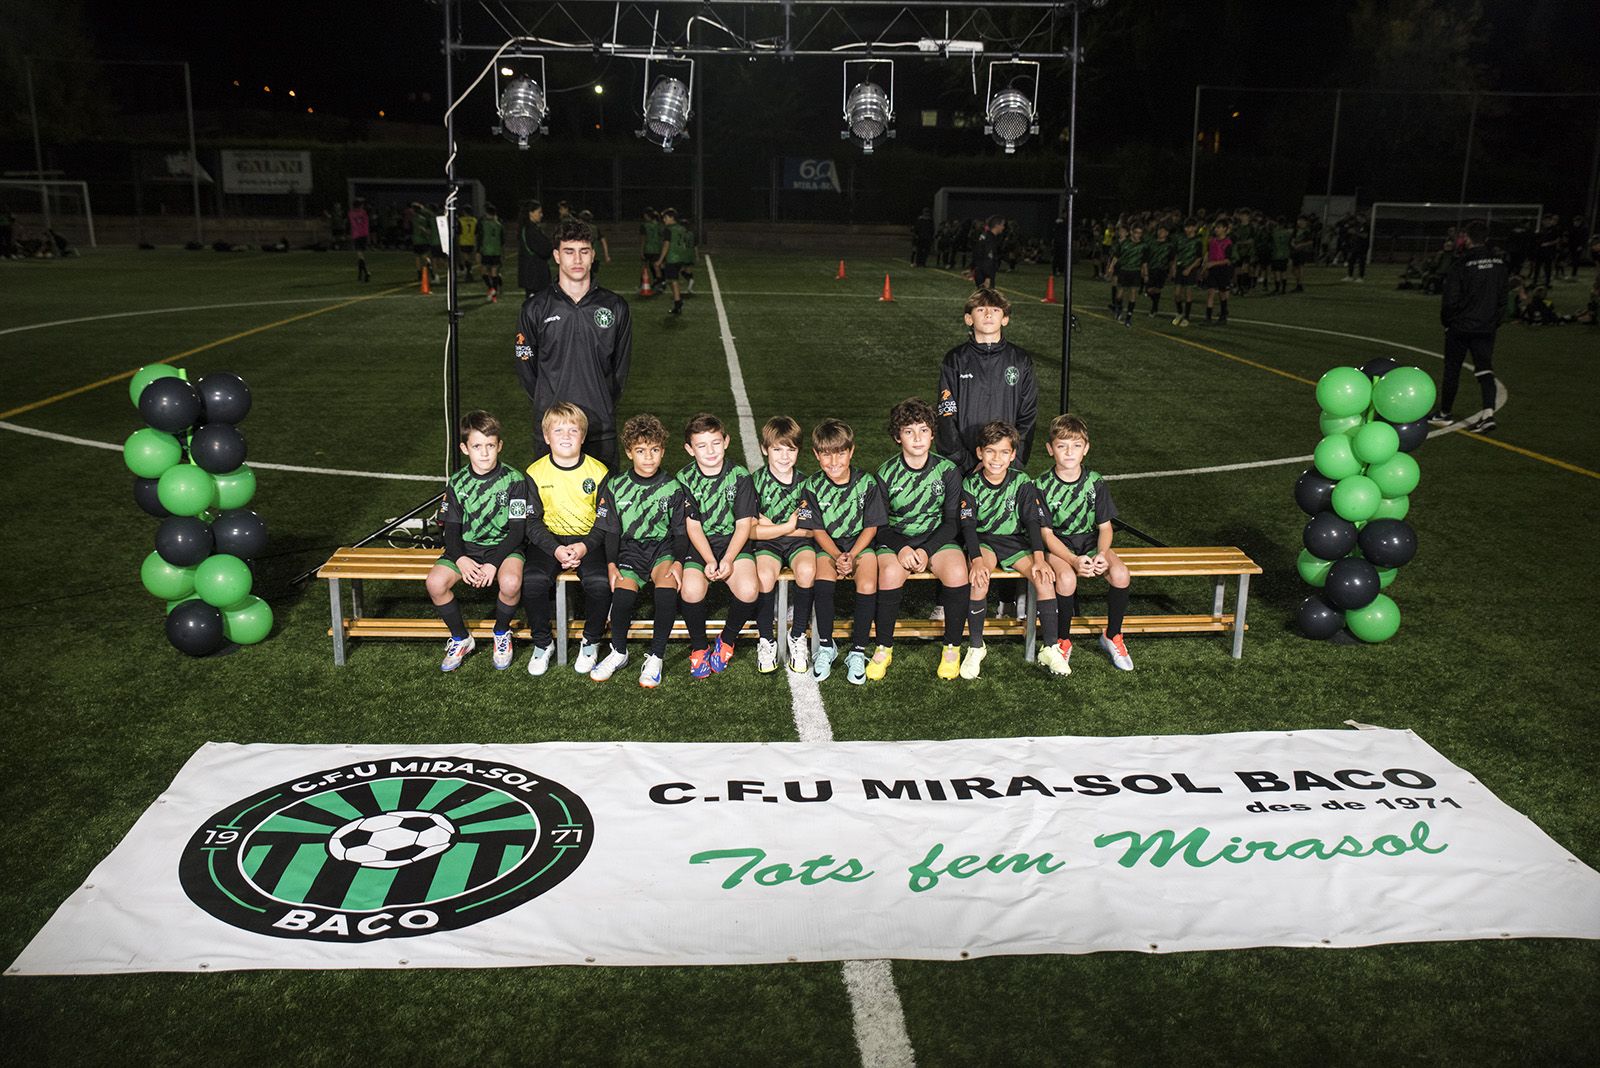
column 667, row 106
column 868, row 110
column 522, row 103
column 1012, row 115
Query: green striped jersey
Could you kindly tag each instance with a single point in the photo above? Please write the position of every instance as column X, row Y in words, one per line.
column 484, row 505
column 1074, row 507
column 718, row 501
column 1280, row 243
column 680, row 246
column 491, row 237
column 637, row 509
column 843, row 511
column 1188, row 249
column 1130, row 254
column 778, row 501
column 1158, row 253
column 1002, row 509
column 918, row 500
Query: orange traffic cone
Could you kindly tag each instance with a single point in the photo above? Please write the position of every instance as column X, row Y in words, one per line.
column 1050, row 292
column 840, row 275
column 426, row 290
column 887, row 295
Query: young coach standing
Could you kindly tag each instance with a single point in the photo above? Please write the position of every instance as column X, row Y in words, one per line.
column 575, row 343
column 533, row 253
column 1474, row 300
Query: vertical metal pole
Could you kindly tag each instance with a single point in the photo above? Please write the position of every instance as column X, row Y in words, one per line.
column 1072, row 194
column 38, row 152
column 1594, row 177
column 1466, row 161
column 452, row 358
column 700, row 160
column 1333, row 152
column 1194, row 146
column 194, row 157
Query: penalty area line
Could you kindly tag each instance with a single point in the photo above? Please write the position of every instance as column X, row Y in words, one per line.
column 877, row 1016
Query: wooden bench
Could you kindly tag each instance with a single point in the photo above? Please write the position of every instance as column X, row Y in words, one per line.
column 357, row 566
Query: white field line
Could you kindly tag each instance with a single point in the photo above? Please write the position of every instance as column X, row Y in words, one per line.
column 170, row 311
column 878, row 1017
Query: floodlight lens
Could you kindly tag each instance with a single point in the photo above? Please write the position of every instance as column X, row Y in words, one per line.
column 666, row 112
column 1010, row 118
column 867, row 113
column 522, row 110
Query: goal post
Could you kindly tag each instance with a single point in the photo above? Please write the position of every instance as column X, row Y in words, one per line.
column 52, row 203
column 1399, row 230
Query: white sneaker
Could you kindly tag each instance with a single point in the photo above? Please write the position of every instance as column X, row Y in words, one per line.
column 766, row 655
column 608, row 667
column 502, row 650
column 588, row 656
column 799, row 653
column 539, row 662
column 650, row 674
column 455, row 651
column 972, row 662
column 1117, row 651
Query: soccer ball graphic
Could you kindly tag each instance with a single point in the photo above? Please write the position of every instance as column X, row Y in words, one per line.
column 392, row 839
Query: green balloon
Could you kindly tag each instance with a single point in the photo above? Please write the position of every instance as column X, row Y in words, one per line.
column 1356, row 498
column 1386, row 575
column 1375, row 442
column 1340, row 424
column 1396, row 476
column 1333, row 457
column 222, row 580
column 234, row 489
column 1377, row 622
column 1313, row 569
column 184, row 489
column 1344, row 391
column 150, row 452
column 146, row 375
column 248, row 621
column 1393, row 508
column 165, row 581
column 173, row 604
column 1404, row 395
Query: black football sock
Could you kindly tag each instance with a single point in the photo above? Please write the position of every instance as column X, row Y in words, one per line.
column 953, row 599
column 666, row 609
column 861, row 625
column 502, row 614
column 622, row 602
column 823, row 591
column 804, row 597
column 1155, row 303
column 1066, row 608
column 888, row 611
column 694, row 618
column 1116, row 608
column 1208, row 313
column 767, row 614
column 1049, row 622
column 739, row 613
column 450, row 612
column 976, row 610
column 1486, row 387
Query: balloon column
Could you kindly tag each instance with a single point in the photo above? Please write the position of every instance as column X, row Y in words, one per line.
column 189, row 472
column 1357, row 493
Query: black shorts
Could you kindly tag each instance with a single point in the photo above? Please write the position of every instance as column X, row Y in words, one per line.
column 1191, row 277
column 491, row 261
column 1081, row 544
column 673, row 270
column 719, row 548
column 1007, row 548
column 1300, row 257
column 1129, row 279
column 1279, row 265
column 637, row 559
column 1158, row 279
column 1220, row 276
column 359, row 244
column 478, row 554
column 784, row 550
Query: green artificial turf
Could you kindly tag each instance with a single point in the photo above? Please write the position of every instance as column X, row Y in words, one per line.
column 1494, row 664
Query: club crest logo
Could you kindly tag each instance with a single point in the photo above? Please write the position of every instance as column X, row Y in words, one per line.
column 391, row 848
column 603, row 318
column 1011, row 376
column 519, row 508
column 588, row 485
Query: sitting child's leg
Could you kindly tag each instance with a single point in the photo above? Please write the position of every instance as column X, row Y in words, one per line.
column 950, row 568
column 538, row 579
column 439, row 582
column 744, row 588
column 804, row 566
column 666, row 607
column 509, row 581
column 823, row 590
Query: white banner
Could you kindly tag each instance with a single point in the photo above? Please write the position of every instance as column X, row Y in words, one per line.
column 263, row 856
column 259, row 170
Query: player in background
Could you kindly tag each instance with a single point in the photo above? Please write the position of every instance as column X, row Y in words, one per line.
column 360, row 224
column 491, row 245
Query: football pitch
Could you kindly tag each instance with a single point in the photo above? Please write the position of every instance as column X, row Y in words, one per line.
column 1495, row 663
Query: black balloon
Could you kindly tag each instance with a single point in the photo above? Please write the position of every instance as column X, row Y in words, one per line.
column 1388, row 542
column 144, row 495
column 170, row 404
column 183, row 541
column 1317, row 619
column 1411, row 434
column 240, row 533
column 1380, row 366
column 1352, row 583
column 217, row 448
column 1313, row 492
column 1328, row 537
column 226, row 397
column 195, row 627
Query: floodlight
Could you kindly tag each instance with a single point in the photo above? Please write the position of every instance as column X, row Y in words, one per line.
column 1012, row 115
column 667, row 106
column 522, row 105
column 868, row 110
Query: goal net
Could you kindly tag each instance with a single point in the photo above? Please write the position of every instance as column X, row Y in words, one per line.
column 1399, row 231
column 38, row 205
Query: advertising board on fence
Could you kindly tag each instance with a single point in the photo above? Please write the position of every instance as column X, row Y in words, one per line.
column 816, row 175
column 265, row 171
column 263, row 856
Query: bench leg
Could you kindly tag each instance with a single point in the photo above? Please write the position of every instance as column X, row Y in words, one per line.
column 358, row 602
column 780, row 629
column 561, row 622
column 1238, row 616
column 1030, row 636
column 337, row 606
column 1216, row 600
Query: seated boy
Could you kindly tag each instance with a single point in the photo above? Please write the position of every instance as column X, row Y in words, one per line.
column 780, row 542
column 637, row 513
column 485, row 506
column 1078, row 511
column 843, row 507
column 1000, row 520
column 563, row 537
column 719, row 503
column 921, row 532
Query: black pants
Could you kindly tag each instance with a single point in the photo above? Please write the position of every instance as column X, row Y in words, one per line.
column 1357, row 263
column 1457, row 347
column 539, row 577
